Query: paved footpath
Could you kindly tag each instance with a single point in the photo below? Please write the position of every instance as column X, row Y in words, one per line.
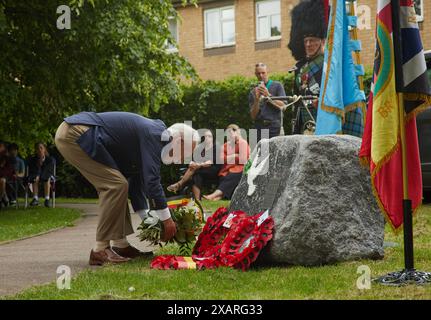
column 34, row 261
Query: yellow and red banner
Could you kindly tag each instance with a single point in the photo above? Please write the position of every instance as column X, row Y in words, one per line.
column 186, row 263
column 179, row 202
column 166, row 262
column 381, row 144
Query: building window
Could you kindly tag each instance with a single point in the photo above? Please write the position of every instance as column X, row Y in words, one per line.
column 173, row 28
column 219, row 27
column 419, row 7
column 268, row 22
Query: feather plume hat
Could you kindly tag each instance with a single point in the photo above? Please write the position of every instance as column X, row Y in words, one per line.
column 308, row 20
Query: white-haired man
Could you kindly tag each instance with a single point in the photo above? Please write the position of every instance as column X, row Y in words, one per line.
column 120, row 154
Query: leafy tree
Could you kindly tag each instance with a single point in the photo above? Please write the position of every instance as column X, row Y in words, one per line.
column 112, row 58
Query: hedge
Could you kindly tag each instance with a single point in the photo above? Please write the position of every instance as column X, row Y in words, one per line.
column 208, row 104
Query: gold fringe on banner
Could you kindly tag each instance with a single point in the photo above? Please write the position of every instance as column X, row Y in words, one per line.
column 426, row 103
column 342, row 113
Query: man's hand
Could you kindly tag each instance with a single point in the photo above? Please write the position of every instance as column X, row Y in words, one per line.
column 255, row 108
column 170, row 229
column 257, row 93
column 263, row 91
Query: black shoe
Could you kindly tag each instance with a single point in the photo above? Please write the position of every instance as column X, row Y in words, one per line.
column 34, row 202
column 131, row 252
column 5, row 202
column 47, row 203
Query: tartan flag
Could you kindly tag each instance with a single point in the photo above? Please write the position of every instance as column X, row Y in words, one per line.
column 399, row 67
column 341, row 101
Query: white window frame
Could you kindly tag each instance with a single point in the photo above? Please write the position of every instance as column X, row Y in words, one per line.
column 173, row 49
column 420, row 17
column 220, row 44
column 269, row 22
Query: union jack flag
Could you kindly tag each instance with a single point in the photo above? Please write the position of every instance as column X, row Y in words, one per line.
column 415, row 84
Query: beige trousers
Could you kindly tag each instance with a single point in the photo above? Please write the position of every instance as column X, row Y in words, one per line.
column 114, row 216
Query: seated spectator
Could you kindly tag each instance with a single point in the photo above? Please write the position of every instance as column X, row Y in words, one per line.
column 235, row 153
column 19, row 168
column 40, row 170
column 19, row 162
column 7, row 172
column 203, row 171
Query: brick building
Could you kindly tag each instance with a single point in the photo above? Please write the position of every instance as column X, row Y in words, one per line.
column 221, row 38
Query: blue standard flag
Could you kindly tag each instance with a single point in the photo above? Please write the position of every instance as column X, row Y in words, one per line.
column 341, row 102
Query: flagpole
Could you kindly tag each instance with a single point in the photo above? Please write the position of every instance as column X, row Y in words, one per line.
column 399, row 78
column 407, row 203
column 409, row 274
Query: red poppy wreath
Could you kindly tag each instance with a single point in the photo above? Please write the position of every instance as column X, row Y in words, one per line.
column 228, row 239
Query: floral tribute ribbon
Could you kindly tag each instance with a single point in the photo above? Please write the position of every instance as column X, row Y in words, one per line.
column 228, row 239
column 166, row 262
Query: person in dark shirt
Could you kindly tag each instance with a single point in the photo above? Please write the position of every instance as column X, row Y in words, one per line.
column 19, row 162
column 19, row 171
column 204, row 170
column 7, row 172
column 120, row 154
column 266, row 115
column 40, row 170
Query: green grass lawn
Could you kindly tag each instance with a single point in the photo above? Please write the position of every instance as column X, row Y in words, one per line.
column 61, row 200
column 17, row 224
column 76, row 200
column 327, row 282
column 212, row 206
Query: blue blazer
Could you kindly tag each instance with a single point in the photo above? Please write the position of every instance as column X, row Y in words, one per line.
column 131, row 144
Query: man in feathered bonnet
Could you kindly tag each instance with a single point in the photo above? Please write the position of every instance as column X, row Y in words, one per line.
column 307, row 42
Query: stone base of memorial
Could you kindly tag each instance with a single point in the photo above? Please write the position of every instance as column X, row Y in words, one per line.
column 319, row 196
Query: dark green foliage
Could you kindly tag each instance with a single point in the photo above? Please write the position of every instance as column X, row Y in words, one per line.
column 112, row 58
column 216, row 104
column 212, row 105
column 188, row 228
column 71, row 183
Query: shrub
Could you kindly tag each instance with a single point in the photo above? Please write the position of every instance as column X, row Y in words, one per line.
column 208, row 104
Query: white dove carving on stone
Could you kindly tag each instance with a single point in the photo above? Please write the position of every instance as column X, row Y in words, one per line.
column 254, row 171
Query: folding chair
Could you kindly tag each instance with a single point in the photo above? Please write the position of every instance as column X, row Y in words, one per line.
column 53, row 180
